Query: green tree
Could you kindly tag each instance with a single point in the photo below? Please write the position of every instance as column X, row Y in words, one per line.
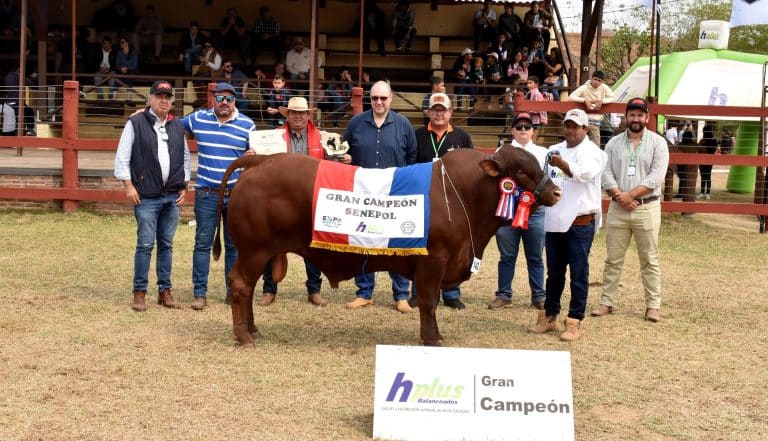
column 623, row 49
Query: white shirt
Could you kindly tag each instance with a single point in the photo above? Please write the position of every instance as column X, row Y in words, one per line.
column 9, row 118
column 581, row 192
column 671, row 135
column 538, row 151
column 297, row 62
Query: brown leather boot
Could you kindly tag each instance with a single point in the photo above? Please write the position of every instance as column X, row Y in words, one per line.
column 166, row 299
column 571, row 329
column 316, row 299
column 266, row 299
column 139, row 301
column 544, row 323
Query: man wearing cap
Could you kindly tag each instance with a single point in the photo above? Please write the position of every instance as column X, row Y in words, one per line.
column 152, row 160
column 508, row 237
column 302, row 137
column 462, row 68
column 593, row 94
column 380, row 138
column 576, row 166
column 222, row 135
column 432, row 142
column 637, row 166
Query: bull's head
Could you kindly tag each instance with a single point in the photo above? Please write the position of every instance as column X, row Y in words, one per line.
column 524, row 169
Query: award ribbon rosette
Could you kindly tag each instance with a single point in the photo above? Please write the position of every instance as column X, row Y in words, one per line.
column 506, row 207
column 524, row 203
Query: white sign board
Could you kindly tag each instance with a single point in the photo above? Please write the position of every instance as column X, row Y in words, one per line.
column 343, row 212
column 472, row 394
column 714, row 34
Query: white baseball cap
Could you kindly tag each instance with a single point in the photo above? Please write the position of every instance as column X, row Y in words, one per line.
column 577, row 116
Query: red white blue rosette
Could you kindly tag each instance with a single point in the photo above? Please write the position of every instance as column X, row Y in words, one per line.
column 506, row 207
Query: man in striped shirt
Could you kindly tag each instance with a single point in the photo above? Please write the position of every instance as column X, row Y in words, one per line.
column 222, row 136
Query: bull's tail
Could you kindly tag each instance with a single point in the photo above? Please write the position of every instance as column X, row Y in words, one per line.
column 242, row 162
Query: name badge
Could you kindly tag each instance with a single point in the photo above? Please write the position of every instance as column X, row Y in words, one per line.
column 631, row 170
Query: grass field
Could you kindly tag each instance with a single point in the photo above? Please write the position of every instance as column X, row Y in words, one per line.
column 78, row 364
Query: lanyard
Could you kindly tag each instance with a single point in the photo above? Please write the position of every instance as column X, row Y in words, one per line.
column 633, row 152
column 437, row 148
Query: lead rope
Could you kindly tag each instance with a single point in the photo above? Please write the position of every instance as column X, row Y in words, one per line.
column 445, row 174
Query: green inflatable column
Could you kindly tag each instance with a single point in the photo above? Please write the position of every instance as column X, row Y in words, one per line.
column 741, row 178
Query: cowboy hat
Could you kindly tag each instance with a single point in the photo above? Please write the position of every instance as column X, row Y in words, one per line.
column 297, row 104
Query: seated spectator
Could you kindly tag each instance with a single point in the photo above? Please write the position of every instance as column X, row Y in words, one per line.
column 402, row 26
column 127, row 61
column 238, row 80
column 190, row 47
column 276, row 97
column 208, row 70
column 484, row 24
column 501, row 48
column 437, row 86
column 539, row 119
column 338, row 96
column 511, row 25
column 554, row 65
column 537, row 22
column 517, row 69
column 461, row 70
column 493, row 73
column 536, row 60
column 8, row 125
column 149, row 30
column 104, row 63
column 374, row 26
column 265, row 78
column 477, row 77
column 266, row 36
column 297, row 63
column 233, row 33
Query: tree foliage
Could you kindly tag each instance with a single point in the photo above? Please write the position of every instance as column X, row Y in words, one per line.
column 623, row 49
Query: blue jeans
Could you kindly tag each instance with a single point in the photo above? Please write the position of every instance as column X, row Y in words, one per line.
column 156, row 220
column 314, row 278
column 206, row 204
column 508, row 241
column 366, row 283
column 569, row 249
column 191, row 56
column 448, row 293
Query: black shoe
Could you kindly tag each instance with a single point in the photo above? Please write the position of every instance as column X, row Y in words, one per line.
column 412, row 302
column 455, row 304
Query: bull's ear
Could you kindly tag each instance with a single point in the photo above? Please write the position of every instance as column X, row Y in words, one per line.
column 492, row 167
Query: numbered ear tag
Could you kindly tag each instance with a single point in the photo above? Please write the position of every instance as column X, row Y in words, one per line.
column 631, row 170
column 475, row 265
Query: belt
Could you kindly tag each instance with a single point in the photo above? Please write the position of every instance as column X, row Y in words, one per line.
column 647, row 200
column 227, row 192
column 584, row 219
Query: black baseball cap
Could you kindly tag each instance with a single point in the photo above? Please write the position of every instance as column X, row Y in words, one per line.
column 161, row 86
column 637, row 103
column 522, row 116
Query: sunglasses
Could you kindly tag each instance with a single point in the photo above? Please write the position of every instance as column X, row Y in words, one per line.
column 379, row 98
column 222, row 98
column 523, row 127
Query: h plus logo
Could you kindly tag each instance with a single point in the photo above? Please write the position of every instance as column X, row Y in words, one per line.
column 433, row 390
column 361, row 227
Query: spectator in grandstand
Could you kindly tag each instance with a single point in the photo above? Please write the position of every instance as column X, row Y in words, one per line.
column 276, row 97
column 190, row 47
column 233, row 33
column 104, row 64
column 437, row 86
column 298, row 63
column 402, row 26
column 517, row 69
column 209, row 70
column 484, row 24
column 461, row 70
column 127, row 61
column 554, row 64
column 493, row 72
column 594, row 93
column 266, row 36
column 149, row 30
column 11, row 83
column 338, row 96
column 511, row 25
column 477, row 77
column 538, row 119
column 503, row 50
column 374, row 26
column 535, row 60
column 537, row 22
column 7, row 118
column 238, row 80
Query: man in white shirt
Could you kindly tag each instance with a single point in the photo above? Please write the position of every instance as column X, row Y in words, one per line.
column 576, row 166
column 637, row 165
column 593, row 94
column 298, row 62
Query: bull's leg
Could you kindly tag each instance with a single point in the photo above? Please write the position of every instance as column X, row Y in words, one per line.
column 427, row 279
column 242, row 283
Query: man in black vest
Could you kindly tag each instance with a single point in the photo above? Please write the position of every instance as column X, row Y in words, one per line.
column 153, row 162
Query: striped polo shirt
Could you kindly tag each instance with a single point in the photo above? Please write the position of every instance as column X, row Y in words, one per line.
column 217, row 145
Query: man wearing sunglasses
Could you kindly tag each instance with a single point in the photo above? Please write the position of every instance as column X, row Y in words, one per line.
column 380, row 138
column 508, row 237
column 222, row 136
column 432, row 142
column 152, row 160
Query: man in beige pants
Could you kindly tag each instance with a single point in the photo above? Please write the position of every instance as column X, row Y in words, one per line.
column 637, row 164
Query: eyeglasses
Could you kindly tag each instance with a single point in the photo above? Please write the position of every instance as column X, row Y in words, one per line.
column 438, row 111
column 523, row 127
column 222, row 98
column 379, row 98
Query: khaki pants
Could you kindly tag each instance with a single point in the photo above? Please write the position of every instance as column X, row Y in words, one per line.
column 594, row 134
column 621, row 225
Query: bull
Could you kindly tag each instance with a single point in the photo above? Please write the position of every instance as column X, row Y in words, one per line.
column 270, row 215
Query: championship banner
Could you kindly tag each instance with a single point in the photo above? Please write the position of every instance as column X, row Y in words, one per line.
column 749, row 12
column 371, row 211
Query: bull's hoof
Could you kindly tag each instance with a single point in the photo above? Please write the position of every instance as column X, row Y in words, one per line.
column 433, row 342
column 256, row 334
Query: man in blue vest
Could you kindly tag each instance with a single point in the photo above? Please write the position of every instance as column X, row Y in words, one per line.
column 152, row 160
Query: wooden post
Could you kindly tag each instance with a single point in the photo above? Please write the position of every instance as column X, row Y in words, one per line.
column 69, row 166
column 357, row 100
